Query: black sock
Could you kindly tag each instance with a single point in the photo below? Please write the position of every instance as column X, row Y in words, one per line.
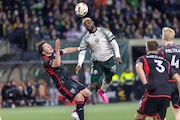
column 80, row 110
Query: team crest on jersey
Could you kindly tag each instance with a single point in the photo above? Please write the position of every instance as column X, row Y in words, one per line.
column 96, row 40
column 72, row 90
column 113, row 68
column 95, row 72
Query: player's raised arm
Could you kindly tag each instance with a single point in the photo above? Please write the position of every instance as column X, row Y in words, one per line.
column 57, row 60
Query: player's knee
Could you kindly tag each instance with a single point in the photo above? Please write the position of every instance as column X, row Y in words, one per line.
column 79, row 97
column 93, row 86
column 86, row 92
column 139, row 117
column 108, row 80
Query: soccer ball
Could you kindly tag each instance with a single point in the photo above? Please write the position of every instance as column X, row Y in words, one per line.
column 81, row 9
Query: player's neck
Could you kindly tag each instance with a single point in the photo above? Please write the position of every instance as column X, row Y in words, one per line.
column 168, row 42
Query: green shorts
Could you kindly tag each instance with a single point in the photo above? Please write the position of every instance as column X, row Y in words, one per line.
column 98, row 68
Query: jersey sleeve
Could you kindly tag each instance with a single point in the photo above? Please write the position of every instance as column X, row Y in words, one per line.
column 140, row 59
column 61, row 52
column 83, row 45
column 109, row 35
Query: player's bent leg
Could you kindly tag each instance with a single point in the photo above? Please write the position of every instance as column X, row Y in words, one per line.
column 102, row 90
column 139, row 117
column 176, row 112
column 86, row 93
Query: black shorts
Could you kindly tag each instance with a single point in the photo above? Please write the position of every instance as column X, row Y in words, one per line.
column 70, row 89
column 174, row 95
column 153, row 106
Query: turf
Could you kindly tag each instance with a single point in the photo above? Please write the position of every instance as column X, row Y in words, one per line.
column 115, row 111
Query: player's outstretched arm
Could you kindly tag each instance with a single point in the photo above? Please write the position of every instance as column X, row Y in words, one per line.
column 81, row 58
column 57, row 61
column 117, row 51
column 70, row 50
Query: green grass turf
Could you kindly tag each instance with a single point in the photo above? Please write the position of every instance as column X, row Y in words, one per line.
column 115, row 111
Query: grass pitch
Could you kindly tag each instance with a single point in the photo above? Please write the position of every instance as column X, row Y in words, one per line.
column 113, row 111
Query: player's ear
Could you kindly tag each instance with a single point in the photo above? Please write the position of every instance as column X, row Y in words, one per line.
column 43, row 53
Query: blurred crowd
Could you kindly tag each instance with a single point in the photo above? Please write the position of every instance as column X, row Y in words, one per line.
column 26, row 21
column 18, row 93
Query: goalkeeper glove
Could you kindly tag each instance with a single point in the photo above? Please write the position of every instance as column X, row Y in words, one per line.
column 150, row 88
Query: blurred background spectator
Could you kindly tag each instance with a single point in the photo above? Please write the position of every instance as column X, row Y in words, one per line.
column 127, row 78
column 24, row 22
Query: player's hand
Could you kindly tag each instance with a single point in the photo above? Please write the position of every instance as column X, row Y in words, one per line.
column 150, row 88
column 78, row 67
column 118, row 60
column 57, row 44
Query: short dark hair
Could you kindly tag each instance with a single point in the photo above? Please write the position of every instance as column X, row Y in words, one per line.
column 152, row 45
column 39, row 47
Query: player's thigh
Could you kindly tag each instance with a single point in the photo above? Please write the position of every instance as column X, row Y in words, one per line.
column 175, row 95
column 162, row 106
column 85, row 92
column 109, row 67
column 96, row 72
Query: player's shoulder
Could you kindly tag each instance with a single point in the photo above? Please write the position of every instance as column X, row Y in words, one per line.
column 102, row 28
column 86, row 36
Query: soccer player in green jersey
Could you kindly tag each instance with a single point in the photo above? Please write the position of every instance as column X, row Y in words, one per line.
column 105, row 54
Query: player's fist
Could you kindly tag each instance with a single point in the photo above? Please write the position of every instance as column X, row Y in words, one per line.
column 118, row 60
column 150, row 88
column 78, row 67
column 57, row 44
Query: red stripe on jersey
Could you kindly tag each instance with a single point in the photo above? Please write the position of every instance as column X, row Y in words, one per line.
column 51, row 72
column 169, row 67
column 67, row 91
column 146, row 67
column 162, row 53
column 159, row 96
column 171, row 80
column 143, row 103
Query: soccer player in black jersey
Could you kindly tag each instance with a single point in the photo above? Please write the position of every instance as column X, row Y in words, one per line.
column 171, row 53
column 154, row 72
column 51, row 60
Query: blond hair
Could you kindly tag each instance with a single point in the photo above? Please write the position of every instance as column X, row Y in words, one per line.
column 87, row 18
column 168, row 34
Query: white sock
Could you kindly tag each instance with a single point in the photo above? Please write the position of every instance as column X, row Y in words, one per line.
column 104, row 85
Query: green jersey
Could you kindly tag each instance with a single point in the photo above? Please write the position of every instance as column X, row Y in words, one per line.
column 99, row 44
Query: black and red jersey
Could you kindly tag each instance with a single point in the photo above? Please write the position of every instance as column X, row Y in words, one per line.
column 171, row 53
column 158, row 71
column 58, row 74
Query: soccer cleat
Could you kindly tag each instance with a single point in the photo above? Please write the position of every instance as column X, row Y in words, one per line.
column 74, row 114
column 103, row 96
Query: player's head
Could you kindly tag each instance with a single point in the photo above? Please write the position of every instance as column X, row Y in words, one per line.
column 152, row 46
column 168, row 34
column 89, row 24
column 44, row 48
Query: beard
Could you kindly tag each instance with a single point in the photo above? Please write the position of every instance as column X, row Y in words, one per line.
column 91, row 29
